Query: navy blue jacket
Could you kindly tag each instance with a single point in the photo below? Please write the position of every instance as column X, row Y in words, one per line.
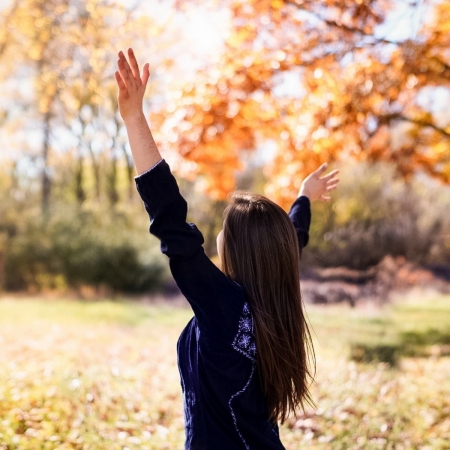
column 224, row 406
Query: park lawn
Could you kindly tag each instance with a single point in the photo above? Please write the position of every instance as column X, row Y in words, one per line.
column 102, row 375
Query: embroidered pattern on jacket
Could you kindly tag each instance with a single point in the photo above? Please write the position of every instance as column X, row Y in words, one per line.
column 244, row 342
column 231, row 408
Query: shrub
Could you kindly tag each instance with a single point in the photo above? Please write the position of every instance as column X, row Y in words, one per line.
column 75, row 248
column 374, row 214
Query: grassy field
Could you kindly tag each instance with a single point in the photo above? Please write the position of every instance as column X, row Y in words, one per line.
column 103, row 375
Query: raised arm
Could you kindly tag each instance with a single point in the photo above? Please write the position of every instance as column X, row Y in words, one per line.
column 314, row 187
column 155, row 183
column 211, row 294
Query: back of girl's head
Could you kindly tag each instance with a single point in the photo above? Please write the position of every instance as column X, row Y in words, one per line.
column 259, row 239
column 261, row 252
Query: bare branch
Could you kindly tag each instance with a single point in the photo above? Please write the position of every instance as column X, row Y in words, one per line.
column 342, row 26
column 423, row 123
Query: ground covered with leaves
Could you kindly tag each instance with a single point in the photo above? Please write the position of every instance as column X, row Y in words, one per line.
column 103, row 375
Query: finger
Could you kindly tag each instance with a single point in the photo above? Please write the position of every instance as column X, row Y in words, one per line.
column 331, row 188
column 321, row 169
column 134, row 64
column 335, row 181
column 145, row 74
column 330, row 175
column 325, row 198
column 119, row 81
column 124, row 69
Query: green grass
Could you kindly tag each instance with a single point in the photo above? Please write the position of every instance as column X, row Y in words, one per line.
column 102, row 375
column 415, row 313
column 120, row 312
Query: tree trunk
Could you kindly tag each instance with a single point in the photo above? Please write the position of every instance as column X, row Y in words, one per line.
column 96, row 169
column 130, row 172
column 45, row 177
column 113, row 195
column 79, row 180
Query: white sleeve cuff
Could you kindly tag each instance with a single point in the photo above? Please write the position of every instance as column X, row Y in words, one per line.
column 149, row 170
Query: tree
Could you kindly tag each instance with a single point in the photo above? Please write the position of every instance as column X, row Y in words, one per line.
column 353, row 92
column 66, row 49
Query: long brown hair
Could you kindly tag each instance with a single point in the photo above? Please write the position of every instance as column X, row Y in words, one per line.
column 261, row 252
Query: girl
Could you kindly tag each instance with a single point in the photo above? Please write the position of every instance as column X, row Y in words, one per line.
column 243, row 358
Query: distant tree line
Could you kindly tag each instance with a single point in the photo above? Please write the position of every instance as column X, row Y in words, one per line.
column 312, row 81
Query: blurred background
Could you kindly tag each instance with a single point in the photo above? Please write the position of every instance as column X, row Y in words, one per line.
column 248, row 94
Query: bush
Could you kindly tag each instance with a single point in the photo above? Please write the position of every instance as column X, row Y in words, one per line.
column 75, row 248
column 374, row 214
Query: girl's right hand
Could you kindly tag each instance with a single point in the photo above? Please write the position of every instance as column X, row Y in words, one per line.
column 131, row 85
column 316, row 188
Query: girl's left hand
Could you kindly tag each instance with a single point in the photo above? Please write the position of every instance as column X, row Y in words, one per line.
column 317, row 188
column 131, row 85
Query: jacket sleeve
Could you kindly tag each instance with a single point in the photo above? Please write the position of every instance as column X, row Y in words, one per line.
column 300, row 214
column 167, row 211
column 212, row 295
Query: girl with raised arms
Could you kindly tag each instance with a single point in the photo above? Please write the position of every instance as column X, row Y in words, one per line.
column 244, row 358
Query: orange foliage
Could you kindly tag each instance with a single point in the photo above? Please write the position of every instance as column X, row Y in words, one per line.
column 355, row 90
